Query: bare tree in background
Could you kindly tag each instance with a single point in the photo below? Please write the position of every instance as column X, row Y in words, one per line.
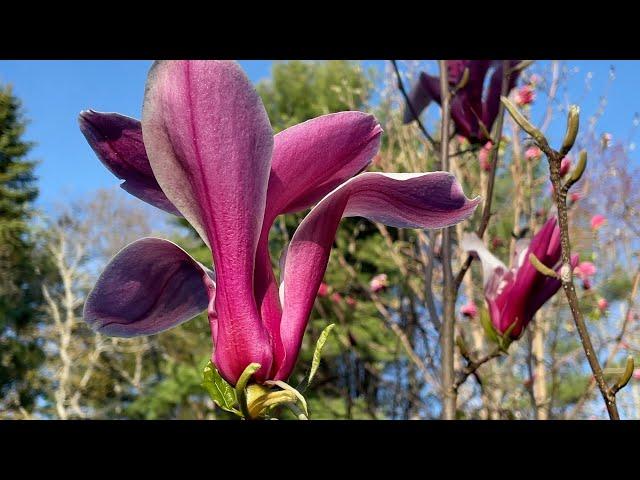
column 79, row 239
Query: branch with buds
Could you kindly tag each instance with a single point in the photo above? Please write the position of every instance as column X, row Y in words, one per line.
column 560, row 197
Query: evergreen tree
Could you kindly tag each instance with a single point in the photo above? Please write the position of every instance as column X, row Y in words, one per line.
column 20, row 353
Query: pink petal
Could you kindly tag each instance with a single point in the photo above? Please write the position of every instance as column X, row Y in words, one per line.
column 209, row 143
column 312, row 158
column 309, row 160
column 150, row 286
column 430, row 200
column 117, row 141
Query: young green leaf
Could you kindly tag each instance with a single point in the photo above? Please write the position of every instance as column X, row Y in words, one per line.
column 318, row 352
column 485, row 321
column 219, row 390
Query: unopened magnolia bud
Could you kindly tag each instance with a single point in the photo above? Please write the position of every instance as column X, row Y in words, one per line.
column 573, row 124
column 580, row 167
column 522, row 121
column 626, row 375
column 541, row 267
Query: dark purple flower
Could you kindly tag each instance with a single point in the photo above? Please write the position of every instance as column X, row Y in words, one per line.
column 473, row 109
column 514, row 295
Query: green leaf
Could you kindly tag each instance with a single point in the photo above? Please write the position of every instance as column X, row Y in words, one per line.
column 488, row 326
column 505, row 339
column 219, row 390
column 318, row 352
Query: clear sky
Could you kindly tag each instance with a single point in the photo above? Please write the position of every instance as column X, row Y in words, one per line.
column 54, row 92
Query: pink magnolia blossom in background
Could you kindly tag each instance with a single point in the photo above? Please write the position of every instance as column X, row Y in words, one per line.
column 462, row 140
column 565, row 166
column 585, row 271
column 602, row 304
column 515, row 294
column 525, row 95
column 636, row 374
column 575, row 196
column 497, row 242
column 529, row 381
column 352, row 302
column 336, row 297
column 534, row 80
column 597, row 221
column 323, row 290
column 379, row 282
column 532, row 153
column 205, row 150
column 483, row 156
column 469, row 309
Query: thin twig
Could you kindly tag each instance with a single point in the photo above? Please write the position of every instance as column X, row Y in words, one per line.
column 416, row 117
column 486, row 210
column 616, row 346
column 560, row 198
column 473, row 365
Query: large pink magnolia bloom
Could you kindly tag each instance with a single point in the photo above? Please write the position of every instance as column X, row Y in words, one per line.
column 205, row 150
column 515, row 294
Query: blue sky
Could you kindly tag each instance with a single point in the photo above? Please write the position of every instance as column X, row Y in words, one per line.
column 54, row 92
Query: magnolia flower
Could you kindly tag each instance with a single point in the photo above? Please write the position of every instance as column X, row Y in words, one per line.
column 472, row 110
column 205, row 150
column 636, row 374
column 483, row 156
column 532, row 153
column 336, row 297
column 515, row 294
column 379, row 282
column 497, row 242
column 603, row 304
column 584, row 271
column 534, row 79
column 525, row 95
column 323, row 290
column 352, row 302
column 565, row 165
column 469, row 309
column 575, row 196
column 597, row 221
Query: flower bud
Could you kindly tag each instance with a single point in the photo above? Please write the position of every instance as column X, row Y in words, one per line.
column 573, row 124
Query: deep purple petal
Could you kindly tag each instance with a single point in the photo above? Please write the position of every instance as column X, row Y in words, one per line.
column 149, row 286
column 419, row 98
column 492, row 102
column 431, row 200
column 117, row 141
